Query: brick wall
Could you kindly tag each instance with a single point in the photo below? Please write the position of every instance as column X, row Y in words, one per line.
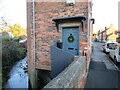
column 45, row 33
column 30, row 44
column 45, row 29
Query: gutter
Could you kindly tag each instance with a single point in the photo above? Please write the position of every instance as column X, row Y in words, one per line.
column 33, row 19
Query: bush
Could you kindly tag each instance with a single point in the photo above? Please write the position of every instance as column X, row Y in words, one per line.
column 12, row 52
column 16, row 39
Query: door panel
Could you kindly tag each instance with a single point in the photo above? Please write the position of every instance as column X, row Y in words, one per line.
column 71, row 45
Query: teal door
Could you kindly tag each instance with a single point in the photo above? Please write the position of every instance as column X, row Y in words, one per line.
column 70, row 38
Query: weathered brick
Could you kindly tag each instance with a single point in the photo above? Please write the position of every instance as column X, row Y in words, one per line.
column 45, row 29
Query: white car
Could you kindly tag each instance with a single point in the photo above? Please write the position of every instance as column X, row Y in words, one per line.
column 115, row 53
column 107, row 46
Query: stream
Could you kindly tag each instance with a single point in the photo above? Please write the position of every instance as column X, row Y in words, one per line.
column 18, row 75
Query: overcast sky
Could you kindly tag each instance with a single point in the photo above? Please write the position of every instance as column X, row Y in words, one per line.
column 105, row 12
column 13, row 11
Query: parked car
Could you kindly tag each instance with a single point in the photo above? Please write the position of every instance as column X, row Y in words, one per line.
column 107, row 46
column 115, row 53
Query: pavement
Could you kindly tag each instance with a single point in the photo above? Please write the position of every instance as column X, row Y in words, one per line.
column 102, row 73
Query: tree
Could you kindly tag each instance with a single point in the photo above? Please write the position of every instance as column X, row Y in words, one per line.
column 3, row 25
column 94, row 34
column 17, row 30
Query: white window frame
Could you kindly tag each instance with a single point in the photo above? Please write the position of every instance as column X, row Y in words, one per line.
column 70, row 1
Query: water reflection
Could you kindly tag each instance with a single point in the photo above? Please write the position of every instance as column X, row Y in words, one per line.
column 18, row 75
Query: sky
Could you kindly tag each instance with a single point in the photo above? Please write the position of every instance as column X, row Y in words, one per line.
column 14, row 11
column 105, row 12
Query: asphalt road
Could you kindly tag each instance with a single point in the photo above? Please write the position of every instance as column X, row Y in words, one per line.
column 102, row 71
column 107, row 55
column 118, row 66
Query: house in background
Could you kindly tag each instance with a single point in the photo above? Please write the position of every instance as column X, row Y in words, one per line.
column 100, row 35
column 6, row 34
column 117, row 32
column 109, row 33
column 104, row 34
column 58, row 32
column 118, row 38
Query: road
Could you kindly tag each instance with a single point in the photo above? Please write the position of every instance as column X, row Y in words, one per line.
column 102, row 73
column 107, row 55
column 118, row 66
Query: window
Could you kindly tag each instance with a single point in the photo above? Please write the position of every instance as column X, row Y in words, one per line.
column 70, row 1
column 110, row 45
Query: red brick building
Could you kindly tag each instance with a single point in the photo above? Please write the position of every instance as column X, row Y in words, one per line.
column 46, row 21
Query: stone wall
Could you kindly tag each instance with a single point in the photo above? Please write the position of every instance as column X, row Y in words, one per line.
column 72, row 77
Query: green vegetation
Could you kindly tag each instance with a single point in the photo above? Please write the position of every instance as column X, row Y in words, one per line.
column 17, row 30
column 94, row 34
column 12, row 52
column 10, row 49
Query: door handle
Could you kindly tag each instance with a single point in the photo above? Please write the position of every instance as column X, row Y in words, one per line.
column 72, row 48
